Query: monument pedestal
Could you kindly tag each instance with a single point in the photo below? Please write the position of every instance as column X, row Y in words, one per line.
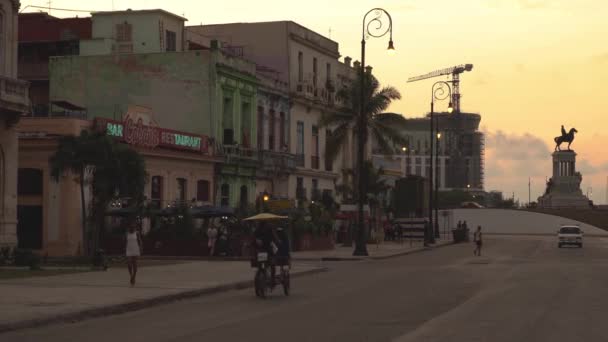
column 564, row 188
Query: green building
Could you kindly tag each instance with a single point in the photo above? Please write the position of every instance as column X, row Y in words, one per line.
column 206, row 92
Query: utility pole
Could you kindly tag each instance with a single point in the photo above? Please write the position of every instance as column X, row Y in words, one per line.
column 529, row 197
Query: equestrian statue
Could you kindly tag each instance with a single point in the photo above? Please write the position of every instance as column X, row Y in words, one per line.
column 565, row 137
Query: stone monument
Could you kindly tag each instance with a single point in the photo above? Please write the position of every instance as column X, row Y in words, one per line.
column 564, row 188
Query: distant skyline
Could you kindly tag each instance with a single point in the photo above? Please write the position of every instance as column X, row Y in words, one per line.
column 538, row 64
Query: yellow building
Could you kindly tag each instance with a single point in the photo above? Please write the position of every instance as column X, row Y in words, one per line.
column 13, row 103
column 180, row 167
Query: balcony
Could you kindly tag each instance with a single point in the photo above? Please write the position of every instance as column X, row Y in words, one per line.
column 272, row 161
column 14, row 95
column 237, row 154
column 299, row 160
column 314, row 162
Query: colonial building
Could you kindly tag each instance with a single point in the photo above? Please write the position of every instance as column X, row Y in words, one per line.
column 308, row 63
column 14, row 103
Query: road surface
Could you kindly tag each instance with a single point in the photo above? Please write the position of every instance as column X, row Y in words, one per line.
column 521, row 289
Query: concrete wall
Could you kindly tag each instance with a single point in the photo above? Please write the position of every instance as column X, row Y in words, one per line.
column 271, row 51
column 147, row 28
column 516, row 222
column 175, row 86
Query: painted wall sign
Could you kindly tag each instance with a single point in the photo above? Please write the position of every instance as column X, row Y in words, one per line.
column 138, row 134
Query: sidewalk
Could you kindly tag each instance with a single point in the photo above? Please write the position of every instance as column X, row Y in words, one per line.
column 384, row 250
column 41, row 300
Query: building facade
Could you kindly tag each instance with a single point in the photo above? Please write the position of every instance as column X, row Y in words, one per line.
column 180, row 168
column 308, row 63
column 14, row 102
column 460, row 152
column 40, row 37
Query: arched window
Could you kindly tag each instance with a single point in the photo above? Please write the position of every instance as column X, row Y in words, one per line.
column 225, row 195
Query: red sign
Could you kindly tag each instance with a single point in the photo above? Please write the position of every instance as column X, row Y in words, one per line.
column 138, row 134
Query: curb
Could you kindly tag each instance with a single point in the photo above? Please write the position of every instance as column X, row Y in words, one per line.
column 398, row 254
column 78, row 316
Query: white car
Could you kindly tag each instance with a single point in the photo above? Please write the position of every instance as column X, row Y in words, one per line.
column 570, row 235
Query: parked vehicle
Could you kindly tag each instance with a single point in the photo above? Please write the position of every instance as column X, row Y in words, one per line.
column 570, row 235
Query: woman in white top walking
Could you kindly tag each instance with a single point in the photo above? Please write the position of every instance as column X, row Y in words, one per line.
column 133, row 250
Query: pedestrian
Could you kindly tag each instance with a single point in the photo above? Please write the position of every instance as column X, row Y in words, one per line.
column 477, row 239
column 459, row 225
column 133, row 249
column 464, row 225
column 211, row 239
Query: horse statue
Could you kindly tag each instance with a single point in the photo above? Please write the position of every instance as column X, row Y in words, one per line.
column 565, row 137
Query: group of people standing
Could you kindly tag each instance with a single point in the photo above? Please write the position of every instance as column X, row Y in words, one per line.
column 477, row 238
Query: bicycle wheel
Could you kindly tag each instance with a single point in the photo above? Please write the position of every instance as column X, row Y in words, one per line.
column 260, row 283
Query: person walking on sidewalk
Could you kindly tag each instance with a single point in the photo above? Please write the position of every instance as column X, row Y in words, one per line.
column 477, row 240
column 133, row 249
column 211, row 239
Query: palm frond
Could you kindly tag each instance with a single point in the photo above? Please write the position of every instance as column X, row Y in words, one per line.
column 336, row 140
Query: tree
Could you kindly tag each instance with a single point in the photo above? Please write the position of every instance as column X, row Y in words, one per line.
column 113, row 168
column 385, row 128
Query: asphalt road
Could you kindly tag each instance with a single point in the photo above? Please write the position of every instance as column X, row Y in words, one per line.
column 521, row 289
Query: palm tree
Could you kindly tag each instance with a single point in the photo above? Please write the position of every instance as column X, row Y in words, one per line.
column 376, row 188
column 114, row 168
column 385, row 128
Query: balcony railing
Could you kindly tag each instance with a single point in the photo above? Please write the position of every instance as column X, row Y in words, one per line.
column 299, row 160
column 237, row 153
column 272, row 160
column 314, row 162
column 15, row 94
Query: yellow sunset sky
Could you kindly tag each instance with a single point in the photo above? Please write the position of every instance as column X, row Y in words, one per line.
column 538, row 64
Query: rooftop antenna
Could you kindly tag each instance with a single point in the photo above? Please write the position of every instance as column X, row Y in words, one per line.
column 49, row 7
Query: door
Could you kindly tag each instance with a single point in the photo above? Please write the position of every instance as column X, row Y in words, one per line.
column 29, row 227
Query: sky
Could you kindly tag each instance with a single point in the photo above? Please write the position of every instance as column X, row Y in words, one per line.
column 538, row 64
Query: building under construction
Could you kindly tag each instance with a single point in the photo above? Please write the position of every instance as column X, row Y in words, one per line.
column 460, row 152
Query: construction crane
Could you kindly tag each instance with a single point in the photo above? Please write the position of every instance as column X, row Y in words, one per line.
column 455, row 72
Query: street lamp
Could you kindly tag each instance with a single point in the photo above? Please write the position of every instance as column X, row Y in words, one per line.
column 404, row 149
column 439, row 93
column 377, row 23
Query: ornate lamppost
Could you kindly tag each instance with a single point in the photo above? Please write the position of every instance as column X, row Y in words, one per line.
column 439, row 93
column 377, row 23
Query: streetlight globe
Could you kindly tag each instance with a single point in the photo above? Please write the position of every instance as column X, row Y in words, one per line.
column 266, row 198
column 468, row 186
column 404, row 149
column 438, row 135
column 450, row 108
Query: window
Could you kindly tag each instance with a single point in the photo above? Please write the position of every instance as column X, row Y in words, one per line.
column 271, row 130
column 124, row 32
column 181, row 189
column 246, row 124
column 170, row 41
column 315, row 148
column 228, row 122
column 300, row 144
column 282, row 138
column 225, row 195
column 315, row 190
column 202, row 190
column 156, row 191
column 314, row 72
column 300, row 66
column 29, row 182
column 260, row 128
column 300, row 191
column 328, row 72
column 329, row 165
column 418, row 170
column 244, row 199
